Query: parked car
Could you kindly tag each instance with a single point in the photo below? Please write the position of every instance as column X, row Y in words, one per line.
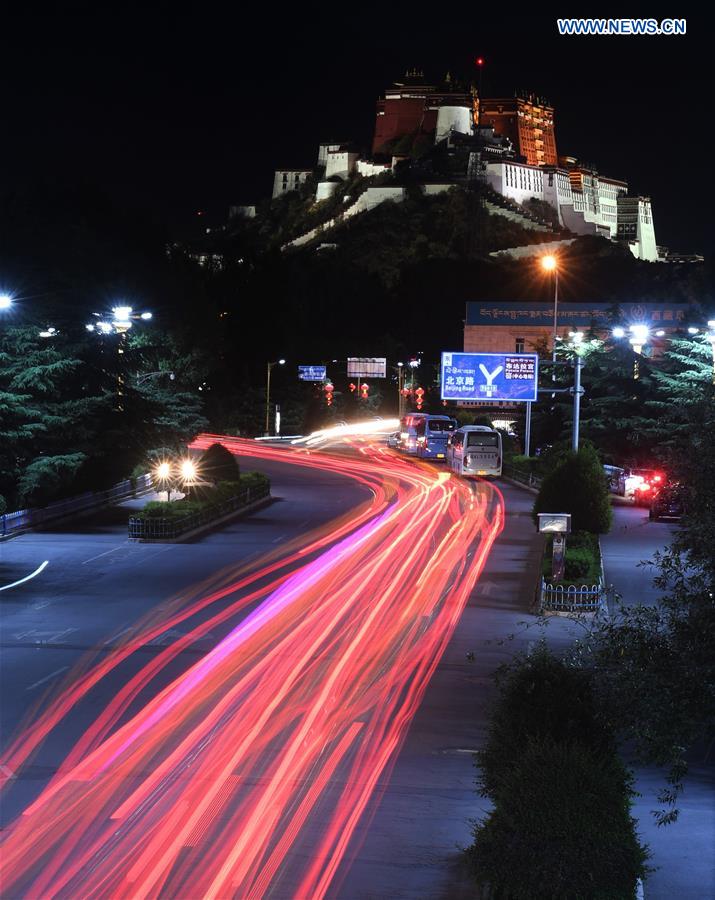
column 393, row 440
column 641, row 485
column 668, row 503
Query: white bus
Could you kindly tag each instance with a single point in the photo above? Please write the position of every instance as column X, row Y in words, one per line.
column 475, row 450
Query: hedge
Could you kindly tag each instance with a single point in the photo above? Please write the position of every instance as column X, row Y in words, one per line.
column 561, row 824
column 583, row 558
column 203, row 499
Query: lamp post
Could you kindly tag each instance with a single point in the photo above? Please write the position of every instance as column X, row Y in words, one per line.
column 637, row 340
column 400, row 389
column 269, row 368
column 121, row 321
column 576, row 342
column 710, row 336
column 551, row 264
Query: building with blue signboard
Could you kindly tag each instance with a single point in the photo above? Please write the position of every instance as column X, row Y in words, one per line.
column 496, row 326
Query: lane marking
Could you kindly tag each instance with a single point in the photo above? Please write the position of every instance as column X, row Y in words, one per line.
column 99, row 555
column 46, row 678
column 37, row 571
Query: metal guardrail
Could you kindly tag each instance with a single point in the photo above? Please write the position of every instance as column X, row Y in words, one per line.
column 28, row 518
column 527, row 478
column 571, row 597
column 157, row 529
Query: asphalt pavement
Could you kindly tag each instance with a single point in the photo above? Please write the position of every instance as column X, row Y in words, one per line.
column 98, row 583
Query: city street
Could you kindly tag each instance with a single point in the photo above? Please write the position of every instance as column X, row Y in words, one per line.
column 249, row 719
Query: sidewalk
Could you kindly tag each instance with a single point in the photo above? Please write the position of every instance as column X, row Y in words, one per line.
column 684, row 852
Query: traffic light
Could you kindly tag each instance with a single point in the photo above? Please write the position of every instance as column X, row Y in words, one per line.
column 419, row 396
column 328, row 388
column 364, row 390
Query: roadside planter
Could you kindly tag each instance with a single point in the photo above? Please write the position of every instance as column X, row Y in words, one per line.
column 563, row 591
column 167, row 528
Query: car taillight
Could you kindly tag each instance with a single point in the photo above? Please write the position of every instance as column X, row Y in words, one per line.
column 643, row 486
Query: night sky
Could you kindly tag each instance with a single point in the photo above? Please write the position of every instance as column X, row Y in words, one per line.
column 174, row 112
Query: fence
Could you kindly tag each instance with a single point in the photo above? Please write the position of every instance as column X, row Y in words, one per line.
column 572, row 597
column 29, row 518
column 157, row 529
column 527, row 478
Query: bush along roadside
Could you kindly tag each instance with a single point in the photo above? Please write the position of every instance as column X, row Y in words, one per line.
column 161, row 520
column 561, row 825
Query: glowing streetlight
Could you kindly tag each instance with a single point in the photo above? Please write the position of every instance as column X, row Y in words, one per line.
column 188, row 472
column 49, row 333
column 618, row 332
column 693, row 330
column 660, row 333
column 269, row 368
column 6, row 301
column 162, row 475
column 550, row 264
column 639, row 336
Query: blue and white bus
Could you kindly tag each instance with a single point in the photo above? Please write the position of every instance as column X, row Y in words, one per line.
column 475, row 450
column 425, row 435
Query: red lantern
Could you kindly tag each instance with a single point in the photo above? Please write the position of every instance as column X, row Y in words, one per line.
column 328, row 388
column 352, row 387
column 364, row 390
column 419, row 396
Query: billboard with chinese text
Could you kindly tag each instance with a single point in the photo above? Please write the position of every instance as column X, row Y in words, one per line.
column 367, row 367
column 489, row 376
column 311, row 373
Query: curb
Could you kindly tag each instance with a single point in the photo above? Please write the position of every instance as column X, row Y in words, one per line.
column 526, row 487
column 214, row 523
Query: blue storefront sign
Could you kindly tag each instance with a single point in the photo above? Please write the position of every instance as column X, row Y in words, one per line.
column 311, row 373
column 490, row 376
column 580, row 315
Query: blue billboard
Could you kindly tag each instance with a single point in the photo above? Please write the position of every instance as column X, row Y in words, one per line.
column 490, row 376
column 311, row 373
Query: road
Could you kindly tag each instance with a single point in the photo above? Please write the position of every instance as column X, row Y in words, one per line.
column 230, row 740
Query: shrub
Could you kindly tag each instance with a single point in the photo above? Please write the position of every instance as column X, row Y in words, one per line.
column 561, row 825
column 561, row 828
column 578, row 486
column 218, row 464
column 578, row 564
column 539, row 696
column 207, row 497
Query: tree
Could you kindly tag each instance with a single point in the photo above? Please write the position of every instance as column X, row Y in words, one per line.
column 218, row 464
column 577, row 485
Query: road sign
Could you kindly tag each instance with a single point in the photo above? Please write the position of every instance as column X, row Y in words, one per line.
column 490, row 376
column 311, row 373
column 367, row 367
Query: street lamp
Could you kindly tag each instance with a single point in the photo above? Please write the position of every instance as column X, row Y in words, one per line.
column 6, row 301
column 163, row 476
column 639, row 336
column 710, row 336
column 551, row 264
column 269, row 368
column 576, row 345
column 400, row 389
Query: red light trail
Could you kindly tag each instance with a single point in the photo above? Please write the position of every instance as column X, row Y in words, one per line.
column 249, row 772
